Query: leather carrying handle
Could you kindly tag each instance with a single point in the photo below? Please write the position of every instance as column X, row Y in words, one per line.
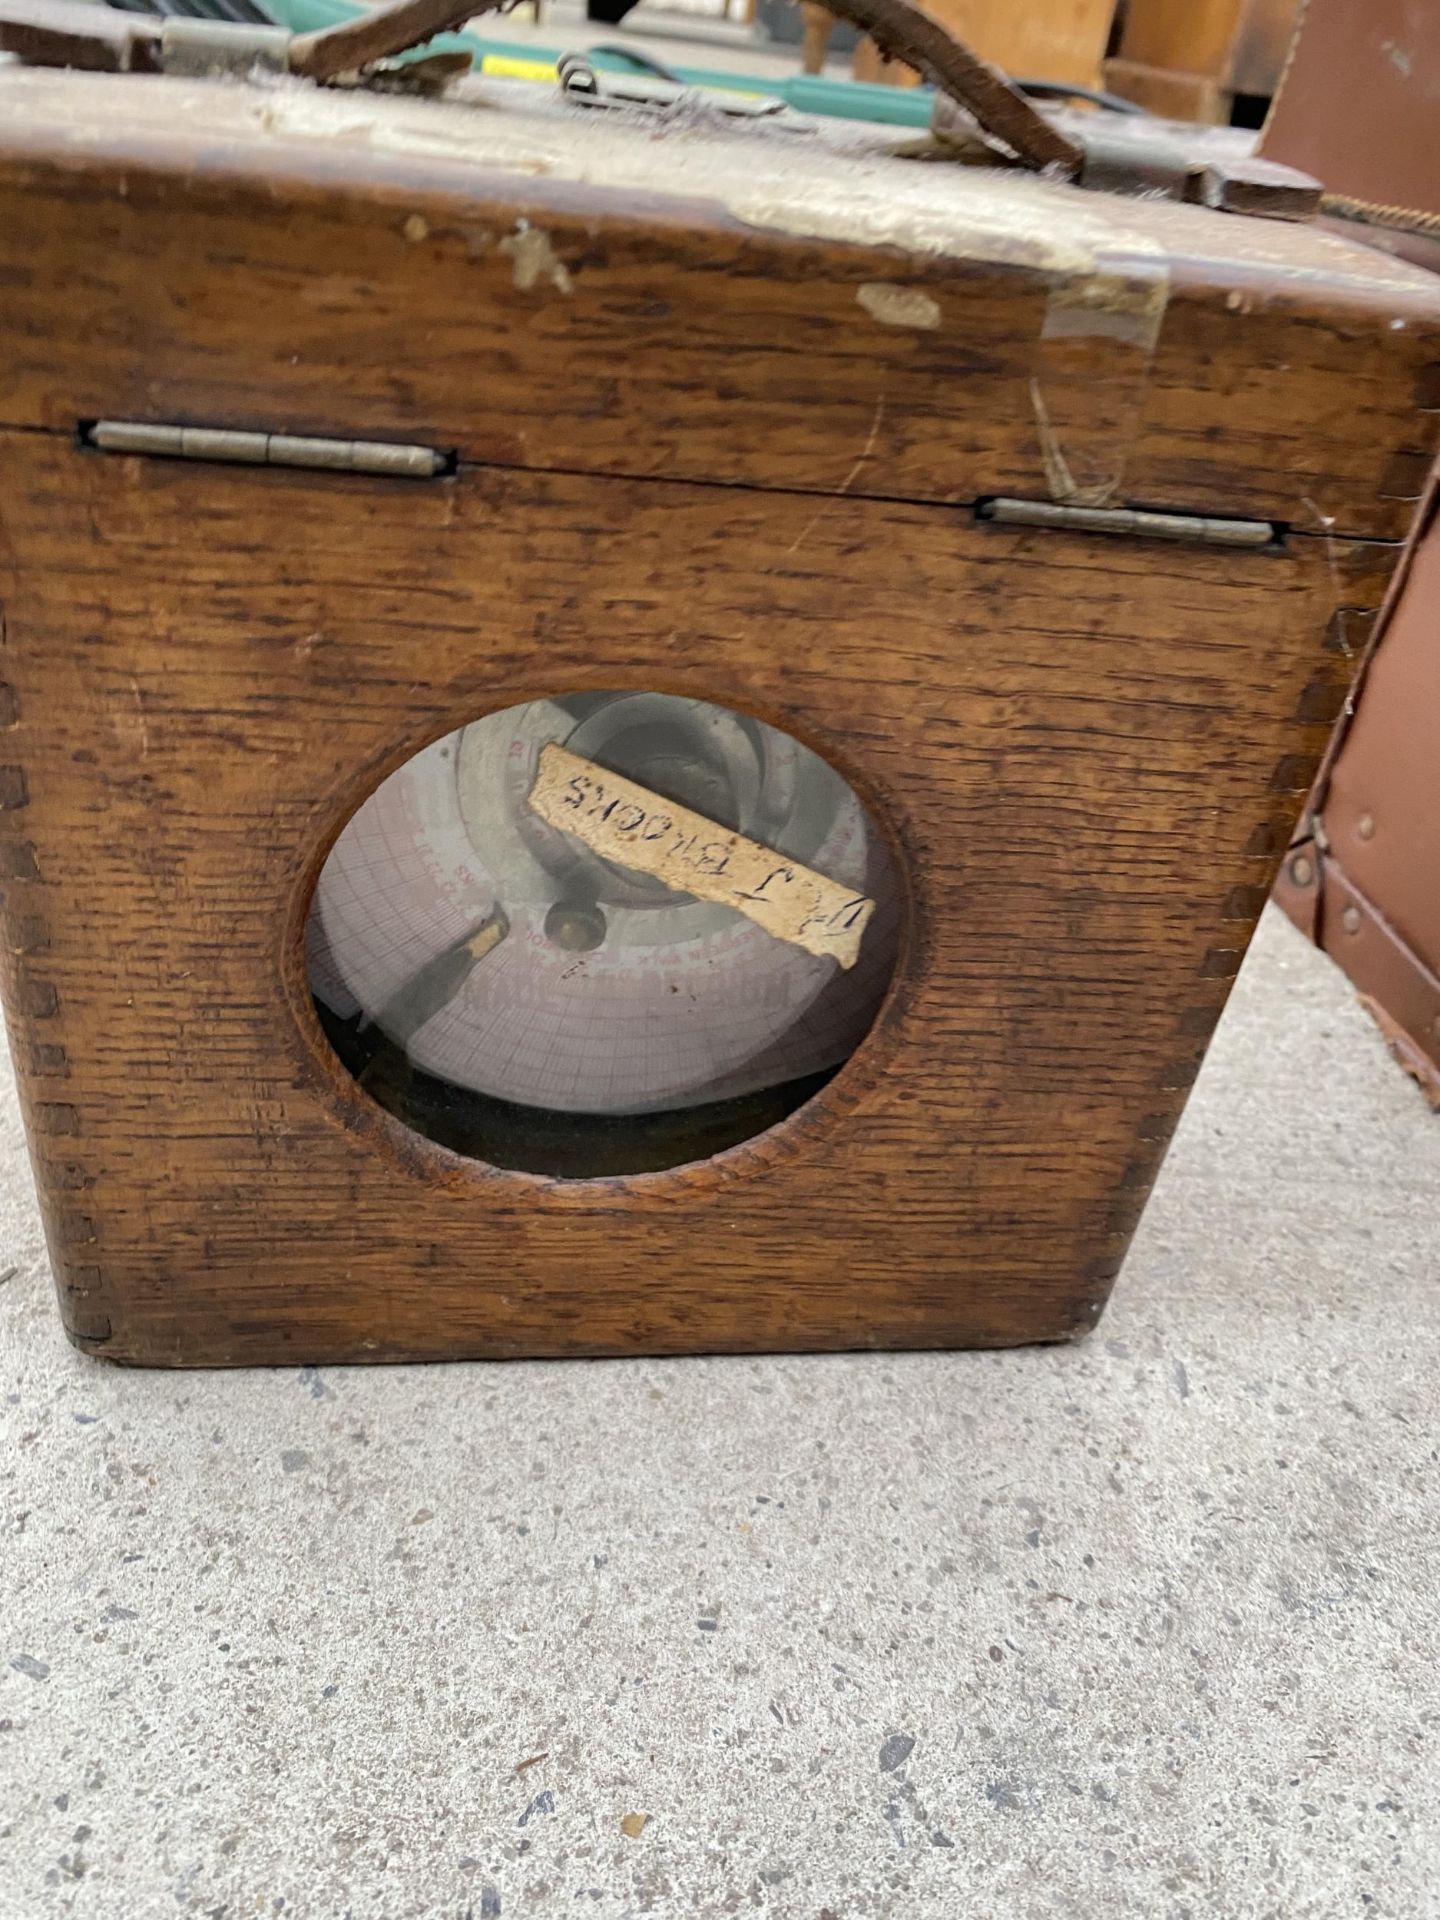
column 904, row 31
column 55, row 33
column 381, row 33
column 73, row 33
column 900, row 29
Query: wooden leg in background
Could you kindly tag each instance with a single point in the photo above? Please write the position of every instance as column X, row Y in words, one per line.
column 819, row 24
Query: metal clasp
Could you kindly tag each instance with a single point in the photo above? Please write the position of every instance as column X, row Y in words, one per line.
column 582, row 85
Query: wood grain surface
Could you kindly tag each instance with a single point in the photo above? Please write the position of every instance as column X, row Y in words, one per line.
column 509, row 285
column 1088, row 751
column 724, row 437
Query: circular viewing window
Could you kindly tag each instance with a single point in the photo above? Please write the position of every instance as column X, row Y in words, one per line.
column 604, row 933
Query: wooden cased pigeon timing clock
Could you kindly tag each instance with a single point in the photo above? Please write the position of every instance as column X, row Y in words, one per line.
column 636, row 732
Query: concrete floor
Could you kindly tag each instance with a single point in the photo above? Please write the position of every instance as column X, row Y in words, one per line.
column 1145, row 1626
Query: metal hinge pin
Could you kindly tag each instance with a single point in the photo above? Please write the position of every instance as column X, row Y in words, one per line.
column 267, row 449
column 1206, row 531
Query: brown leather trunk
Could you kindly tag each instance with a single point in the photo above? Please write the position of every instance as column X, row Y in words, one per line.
column 1359, row 108
column 1359, row 103
column 1049, row 519
column 1361, row 876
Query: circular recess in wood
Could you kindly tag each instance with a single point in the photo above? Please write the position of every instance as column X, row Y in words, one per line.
column 603, row 933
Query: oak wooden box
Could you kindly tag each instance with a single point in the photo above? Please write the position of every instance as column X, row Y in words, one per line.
column 723, row 409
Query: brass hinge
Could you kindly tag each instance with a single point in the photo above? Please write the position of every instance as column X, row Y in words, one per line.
column 267, row 449
column 1196, row 528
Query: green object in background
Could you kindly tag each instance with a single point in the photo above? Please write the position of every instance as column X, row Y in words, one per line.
column 512, row 60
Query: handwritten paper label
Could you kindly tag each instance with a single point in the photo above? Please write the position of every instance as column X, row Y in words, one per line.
column 627, row 823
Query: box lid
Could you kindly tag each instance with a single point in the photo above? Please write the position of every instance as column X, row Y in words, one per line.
column 817, row 308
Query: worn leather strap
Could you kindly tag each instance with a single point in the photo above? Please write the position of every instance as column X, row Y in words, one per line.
column 71, row 33
column 381, row 33
column 93, row 39
column 904, row 31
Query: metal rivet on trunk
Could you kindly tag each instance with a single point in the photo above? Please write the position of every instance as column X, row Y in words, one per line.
column 1365, row 826
column 1350, row 919
column 1302, row 870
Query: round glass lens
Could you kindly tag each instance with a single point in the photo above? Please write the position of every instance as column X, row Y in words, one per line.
column 603, row 933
